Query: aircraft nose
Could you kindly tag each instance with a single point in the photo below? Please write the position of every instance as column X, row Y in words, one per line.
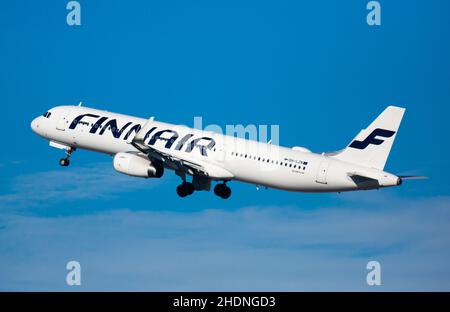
column 35, row 124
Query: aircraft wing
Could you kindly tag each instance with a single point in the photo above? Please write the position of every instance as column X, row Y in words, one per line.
column 177, row 160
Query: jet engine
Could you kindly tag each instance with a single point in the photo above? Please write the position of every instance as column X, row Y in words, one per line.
column 137, row 166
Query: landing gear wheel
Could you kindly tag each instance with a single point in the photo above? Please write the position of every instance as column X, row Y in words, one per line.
column 181, row 190
column 189, row 188
column 222, row 190
column 218, row 189
column 64, row 162
column 226, row 192
column 185, row 189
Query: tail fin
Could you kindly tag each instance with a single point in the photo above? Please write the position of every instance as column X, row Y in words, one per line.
column 371, row 147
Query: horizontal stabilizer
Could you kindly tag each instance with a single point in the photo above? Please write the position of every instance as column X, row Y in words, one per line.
column 411, row 177
column 364, row 182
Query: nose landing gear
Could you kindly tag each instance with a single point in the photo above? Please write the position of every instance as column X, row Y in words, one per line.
column 64, row 162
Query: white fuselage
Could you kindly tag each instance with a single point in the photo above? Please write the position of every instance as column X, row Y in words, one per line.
column 248, row 161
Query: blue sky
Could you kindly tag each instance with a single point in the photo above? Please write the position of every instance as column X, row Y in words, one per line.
column 315, row 68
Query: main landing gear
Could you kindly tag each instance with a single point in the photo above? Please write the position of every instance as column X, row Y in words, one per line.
column 185, row 189
column 222, row 190
column 201, row 184
column 64, row 162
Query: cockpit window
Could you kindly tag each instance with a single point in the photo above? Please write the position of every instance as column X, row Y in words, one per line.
column 47, row 114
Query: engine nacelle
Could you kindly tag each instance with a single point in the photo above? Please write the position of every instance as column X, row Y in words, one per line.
column 137, row 166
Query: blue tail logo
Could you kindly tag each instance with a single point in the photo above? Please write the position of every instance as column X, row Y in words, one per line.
column 372, row 138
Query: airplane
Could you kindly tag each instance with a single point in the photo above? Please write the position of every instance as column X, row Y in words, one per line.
column 146, row 148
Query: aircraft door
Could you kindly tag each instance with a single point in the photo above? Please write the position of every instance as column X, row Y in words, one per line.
column 322, row 172
column 220, row 154
column 63, row 121
column 219, row 149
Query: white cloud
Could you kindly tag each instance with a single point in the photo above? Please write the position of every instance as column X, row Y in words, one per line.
column 253, row 248
column 98, row 180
